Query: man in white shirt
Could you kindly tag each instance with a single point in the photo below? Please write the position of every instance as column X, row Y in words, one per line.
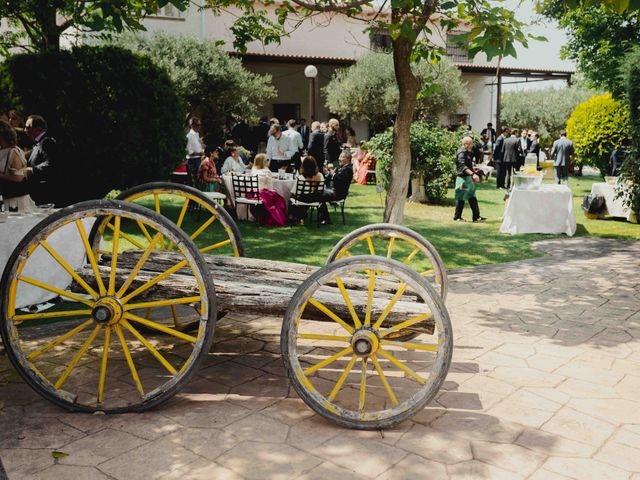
column 195, row 151
column 279, row 149
column 296, row 142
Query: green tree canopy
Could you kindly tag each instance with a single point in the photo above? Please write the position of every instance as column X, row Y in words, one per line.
column 546, row 110
column 597, row 127
column 209, row 81
column 368, row 91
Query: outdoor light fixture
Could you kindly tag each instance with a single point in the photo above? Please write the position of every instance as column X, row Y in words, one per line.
column 311, row 72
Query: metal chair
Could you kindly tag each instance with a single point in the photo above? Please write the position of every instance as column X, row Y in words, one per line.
column 304, row 188
column 245, row 190
column 339, row 203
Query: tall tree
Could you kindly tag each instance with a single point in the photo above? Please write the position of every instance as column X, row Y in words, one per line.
column 42, row 22
column 411, row 25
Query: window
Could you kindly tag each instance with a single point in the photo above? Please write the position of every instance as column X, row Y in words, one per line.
column 381, row 41
column 169, row 11
column 455, row 52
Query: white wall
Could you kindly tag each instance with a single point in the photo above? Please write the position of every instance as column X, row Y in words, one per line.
column 482, row 108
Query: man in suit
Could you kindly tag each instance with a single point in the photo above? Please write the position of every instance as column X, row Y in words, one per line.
column 490, row 132
column 498, row 154
column 562, row 154
column 337, row 186
column 332, row 142
column 303, row 130
column 43, row 160
column 525, row 143
column 315, row 146
column 511, row 155
column 534, row 147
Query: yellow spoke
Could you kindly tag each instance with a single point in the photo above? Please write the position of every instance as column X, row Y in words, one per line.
column 345, row 295
column 406, row 323
column 330, row 314
column 390, row 249
column 127, row 356
column 78, row 356
column 160, row 327
column 342, row 378
column 59, row 340
column 150, row 347
column 363, row 385
column 174, row 314
column 185, row 205
column 91, row 257
column 144, row 230
column 114, row 258
column 203, row 227
column 372, row 282
column 410, row 256
column 126, row 236
column 61, row 261
column 401, row 366
column 103, row 365
column 152, row 282
column 161, row 303
column 389, row 307
column 139, row 265
column 156, row 201
column 411, row 346
column 384, row 381
column 328, row 361
column 40, row 316
column 372, row 250
column 216, row 245
column 344, row 253
column 317, row 336
column 427, row 272
column 57, row 291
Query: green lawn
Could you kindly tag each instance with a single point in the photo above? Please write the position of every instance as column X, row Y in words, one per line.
column 459, row 244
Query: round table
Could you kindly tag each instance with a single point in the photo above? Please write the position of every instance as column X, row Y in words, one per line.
column 283, row 187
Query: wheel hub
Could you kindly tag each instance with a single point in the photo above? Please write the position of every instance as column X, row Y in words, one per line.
column 365, row 342
column 107, row 311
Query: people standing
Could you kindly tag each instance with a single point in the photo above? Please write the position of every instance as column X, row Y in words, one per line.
column 525, row 143
column 315, row 147
column 467, row 177
column 511, row 155
column 42, row 162
column 498, row 154
column 279, row 149
column 534, row 147
column 562, row 154
column 304, row 132
column 617, row 157
column 295, row 139
column 12, row 166
column 195, row 150
column 490, row 132
column 332, row 143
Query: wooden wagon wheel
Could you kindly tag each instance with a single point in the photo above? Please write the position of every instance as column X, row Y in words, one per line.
column 347, row 369
column 88, row 353
column 398, row 243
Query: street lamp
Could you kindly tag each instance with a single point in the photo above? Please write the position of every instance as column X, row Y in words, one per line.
column 311, row 72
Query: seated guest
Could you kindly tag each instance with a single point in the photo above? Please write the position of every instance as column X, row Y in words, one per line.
column 337, row 185
column 308, row 171
column 208, row 173
column 367, row 162
column 261, row 168
column 12, row 166
column 233, row 163
column 42, row 161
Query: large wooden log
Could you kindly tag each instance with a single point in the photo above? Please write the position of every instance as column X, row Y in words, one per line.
column 261, row 287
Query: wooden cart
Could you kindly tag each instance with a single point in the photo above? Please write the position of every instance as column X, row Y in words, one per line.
column 366, row 340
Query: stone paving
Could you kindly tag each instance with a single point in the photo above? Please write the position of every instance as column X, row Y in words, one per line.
column 544, row 385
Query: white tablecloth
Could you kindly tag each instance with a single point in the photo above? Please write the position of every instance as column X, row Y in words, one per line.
column 41, row 265
column 547, row 210
column 615, row 206
column 283, row 187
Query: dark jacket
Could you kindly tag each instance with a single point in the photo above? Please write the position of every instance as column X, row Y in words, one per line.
column 490, row 133
column 615, row 160
column 512, row 150
column 304, row 132
column 43, row 159
column 340, row 181
column 332, row 148
column 535, row 148
column 464, row 160
column 498, row 149
column 315, row 147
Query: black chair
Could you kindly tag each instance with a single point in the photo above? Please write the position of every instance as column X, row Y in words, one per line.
column 303, row 190
column 246, row 190
column 339, row 203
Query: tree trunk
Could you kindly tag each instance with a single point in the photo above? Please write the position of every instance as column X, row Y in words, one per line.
column 401, row 166
column 46, row 18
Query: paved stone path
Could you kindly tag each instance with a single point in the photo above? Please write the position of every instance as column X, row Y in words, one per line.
column 544, row 385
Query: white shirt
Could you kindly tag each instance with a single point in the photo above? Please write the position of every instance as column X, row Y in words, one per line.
column 295, row 138
column 232, row 165
column 280, row 149
column 194, row 147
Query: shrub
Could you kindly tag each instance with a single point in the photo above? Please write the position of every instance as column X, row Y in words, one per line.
column 433, row 152
column 115, row 116
column 631, row 165
column 597, row 127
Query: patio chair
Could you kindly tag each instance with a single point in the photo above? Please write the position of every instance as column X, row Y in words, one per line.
column 339, row 203
column 245, row 190
column 305, row 188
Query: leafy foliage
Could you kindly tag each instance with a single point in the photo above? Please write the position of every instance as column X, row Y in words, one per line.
column 597, row 127
column 433, row 152
column 598, row 40
column 43, row 22
column 115, row 116
column 206, row 78
column 368, row 91
column 546, row 110
column 631, row 165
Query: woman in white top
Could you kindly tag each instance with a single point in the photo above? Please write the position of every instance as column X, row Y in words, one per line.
column 261, row 168
column 12, row 165
column 233, row 163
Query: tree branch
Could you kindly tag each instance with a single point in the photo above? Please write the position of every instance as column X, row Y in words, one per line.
column 314, row 7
